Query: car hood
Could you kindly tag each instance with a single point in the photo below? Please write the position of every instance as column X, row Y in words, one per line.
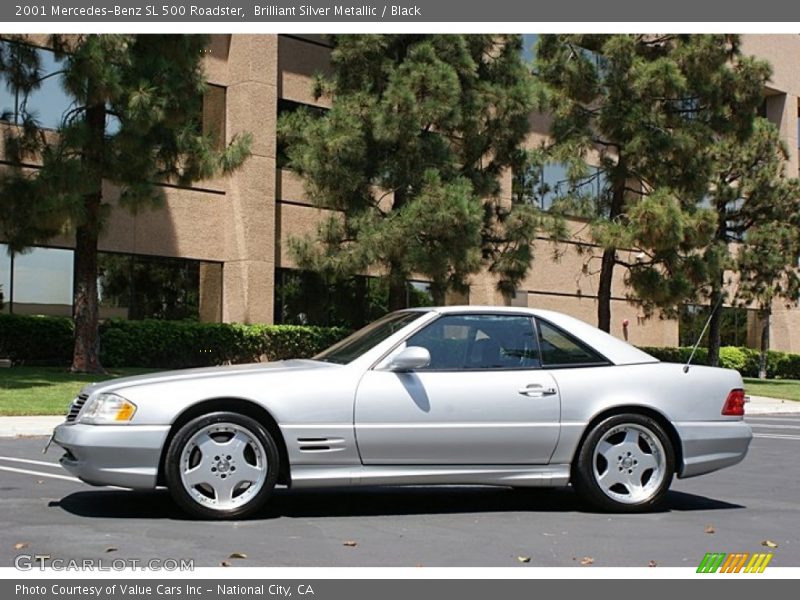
column 281, row 366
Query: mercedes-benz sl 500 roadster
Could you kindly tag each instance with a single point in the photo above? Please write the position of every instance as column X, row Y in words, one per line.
column 459, row 396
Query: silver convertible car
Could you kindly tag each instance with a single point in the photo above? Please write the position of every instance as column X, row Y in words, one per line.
column 457, row 395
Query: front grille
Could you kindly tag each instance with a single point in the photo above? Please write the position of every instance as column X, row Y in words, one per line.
column 76, row 407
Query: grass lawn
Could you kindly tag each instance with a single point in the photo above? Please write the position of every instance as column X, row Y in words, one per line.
column 788, row 389
column 46, row 390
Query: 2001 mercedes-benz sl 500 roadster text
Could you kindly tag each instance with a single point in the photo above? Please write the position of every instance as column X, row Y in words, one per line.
column 458, row 395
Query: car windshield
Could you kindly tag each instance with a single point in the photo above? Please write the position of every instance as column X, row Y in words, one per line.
column 367, row 338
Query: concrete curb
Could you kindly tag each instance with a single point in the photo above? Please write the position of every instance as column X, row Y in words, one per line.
column 28, row 426
column 35, row 426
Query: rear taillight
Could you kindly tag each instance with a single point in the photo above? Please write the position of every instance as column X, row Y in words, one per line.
column 734, row 405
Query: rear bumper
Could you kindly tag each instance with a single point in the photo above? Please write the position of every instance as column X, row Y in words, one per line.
column 121, row 455
column 711, row 445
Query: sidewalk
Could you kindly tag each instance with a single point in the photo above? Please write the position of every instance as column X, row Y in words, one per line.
column 761, row 405
column 31, row 426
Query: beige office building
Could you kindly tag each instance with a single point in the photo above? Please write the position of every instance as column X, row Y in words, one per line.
column 228, row 238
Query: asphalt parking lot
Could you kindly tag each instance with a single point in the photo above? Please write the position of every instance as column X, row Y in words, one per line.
column 45, row 511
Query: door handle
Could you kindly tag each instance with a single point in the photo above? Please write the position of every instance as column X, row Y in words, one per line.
column 537, row 391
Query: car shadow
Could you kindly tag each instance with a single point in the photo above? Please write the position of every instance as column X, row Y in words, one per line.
column 367, row 502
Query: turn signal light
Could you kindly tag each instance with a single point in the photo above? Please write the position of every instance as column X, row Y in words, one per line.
column 734, row 405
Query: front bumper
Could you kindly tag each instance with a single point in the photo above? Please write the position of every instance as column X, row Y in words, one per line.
column 711, row 445
column 121, row 455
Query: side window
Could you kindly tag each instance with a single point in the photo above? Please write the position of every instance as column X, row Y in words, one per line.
column 476, row 342
column 560, row 349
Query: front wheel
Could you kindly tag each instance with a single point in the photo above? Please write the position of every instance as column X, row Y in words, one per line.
column 625, row 464
column 221, row 465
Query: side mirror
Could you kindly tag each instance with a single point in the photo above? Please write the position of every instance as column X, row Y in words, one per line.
column 412, row 357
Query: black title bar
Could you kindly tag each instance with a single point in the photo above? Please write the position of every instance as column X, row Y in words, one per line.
column 438, row 11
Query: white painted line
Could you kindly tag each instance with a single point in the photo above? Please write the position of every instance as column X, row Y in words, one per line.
column 781, row 419
column 40, row 474
column 41, row 462
column 760, row 425
column 776, row 436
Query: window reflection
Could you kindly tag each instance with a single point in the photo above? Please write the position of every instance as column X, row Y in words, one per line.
column 529, row 46
column 149, row 287
column 5, row 278
column 305, row 298
column 545, row 185
column 43, row 282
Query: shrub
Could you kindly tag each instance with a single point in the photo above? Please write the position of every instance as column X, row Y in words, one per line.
column 36, row 340
column 789, row 367
column 731, row 357
column 162, row 344
column 178, row 344
column 677, row 355
column 171, row 344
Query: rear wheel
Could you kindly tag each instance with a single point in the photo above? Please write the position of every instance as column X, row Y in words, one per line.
column 222, row 465
column 625, row 464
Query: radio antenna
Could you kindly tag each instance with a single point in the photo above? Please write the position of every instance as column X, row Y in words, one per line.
column 702, row 333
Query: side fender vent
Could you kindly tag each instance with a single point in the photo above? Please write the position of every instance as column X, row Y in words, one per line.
column 320, row 444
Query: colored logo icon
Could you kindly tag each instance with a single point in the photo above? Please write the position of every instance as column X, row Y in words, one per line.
column 737, row 562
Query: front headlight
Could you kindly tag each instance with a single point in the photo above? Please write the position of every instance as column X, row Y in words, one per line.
column 107, row 409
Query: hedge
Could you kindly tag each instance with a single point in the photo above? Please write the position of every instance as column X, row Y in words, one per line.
column 37, row 340
column 162, row 344
column 780, row 365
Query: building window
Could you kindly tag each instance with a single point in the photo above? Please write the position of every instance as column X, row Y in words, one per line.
column 529, row 41
column 149, row 287
column 38, row 282
column 733, row 327
column 45, row 101
column 286, row 107
column 5, row 278
column 305, row 298
column 129, row 286
column 214, row 115
column 544, row 185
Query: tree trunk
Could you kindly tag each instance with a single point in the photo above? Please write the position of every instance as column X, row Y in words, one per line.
column 762, row 360
column 86, row 355
column 604, row 289
column 398, row 294
column 715, row 324
column 609, row 260
column 439, row 293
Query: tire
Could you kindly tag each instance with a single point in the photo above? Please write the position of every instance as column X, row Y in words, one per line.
column 223, row 465
column 625, row 464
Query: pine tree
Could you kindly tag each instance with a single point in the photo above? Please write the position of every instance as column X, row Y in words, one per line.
column 410, row 154
column 757, row 238
column 636, row 116
column 134, row 121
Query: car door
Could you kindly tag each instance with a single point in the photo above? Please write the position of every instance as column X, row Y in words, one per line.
column 483, row 399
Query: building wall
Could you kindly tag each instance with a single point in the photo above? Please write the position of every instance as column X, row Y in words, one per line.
column 783, row 109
